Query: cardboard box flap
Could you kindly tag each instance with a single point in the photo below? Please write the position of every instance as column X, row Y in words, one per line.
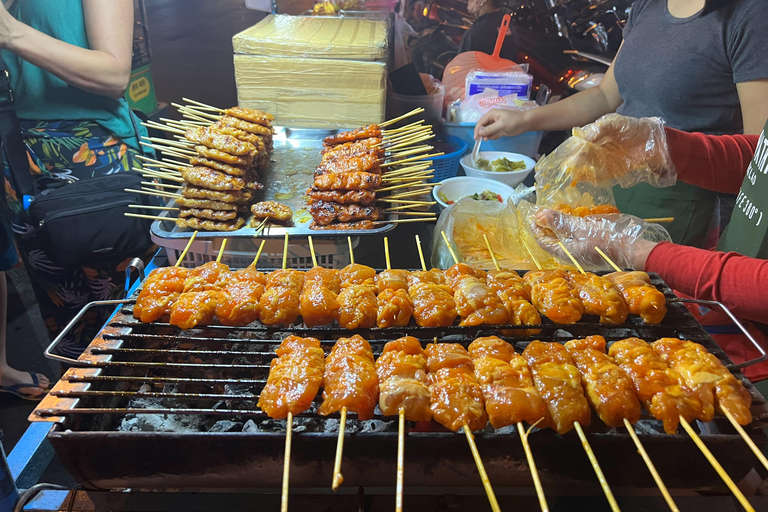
column 314, row 37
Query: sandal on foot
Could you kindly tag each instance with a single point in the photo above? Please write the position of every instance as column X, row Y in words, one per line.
column 16, row 389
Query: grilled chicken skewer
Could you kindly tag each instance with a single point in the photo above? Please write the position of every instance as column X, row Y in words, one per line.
column 319, row 298
column 640, row 295
column 357, row 300
column 395, row 305
column 554, row 296
column 350, row 383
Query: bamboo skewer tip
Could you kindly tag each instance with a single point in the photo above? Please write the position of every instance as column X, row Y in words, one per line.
column 312, row 251
column 655, row 474
column 450, row 247
column 400, row 460
column 596, row 467
column 286, row 462
column 338, row 478
column 481, row 469
column 752, row 446
column 607, row 259
column 532, row 465
column 186, row 249
column 568, row 253
column 421, row 253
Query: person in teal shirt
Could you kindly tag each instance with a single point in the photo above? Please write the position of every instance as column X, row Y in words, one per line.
column 69, row 62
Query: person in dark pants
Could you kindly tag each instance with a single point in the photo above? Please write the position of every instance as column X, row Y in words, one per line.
column 481, row 37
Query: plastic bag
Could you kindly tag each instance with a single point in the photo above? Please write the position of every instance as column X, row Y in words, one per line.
column 505, row 83
column 475, row 106
column 513, row 243
column 614, row 150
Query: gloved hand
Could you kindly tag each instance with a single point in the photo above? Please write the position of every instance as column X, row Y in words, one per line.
column 614, row 150
column 626, row 239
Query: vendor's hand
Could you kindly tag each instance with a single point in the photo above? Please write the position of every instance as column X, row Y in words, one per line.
column 626, row 239
column 501, row 123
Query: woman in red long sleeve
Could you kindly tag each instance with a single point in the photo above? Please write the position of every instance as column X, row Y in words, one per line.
column 736, row 274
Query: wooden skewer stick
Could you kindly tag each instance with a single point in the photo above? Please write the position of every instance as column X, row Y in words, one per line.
column 186, row 249
column 419, row 125
column 568, row 253
column 159, row 169
column 607, row 259
column 410, row 142
column 395, row 130
column 255, row 261
column 412, row 151
column 169, row 142
column 532, row 464
column 400, row 137
column 221, row 250
column 414, row 183
column 404, row 207
column 181, row 124
column 386, row 252
column 153, row 217
column 285, row 251
column 481, row 470
column 161, row 185
column 413, row 112
column 716, row 465
column 421, row 257
column 162, row 176
column 338, row 478
column 169, row 164
column 152, row 207
column 197, row 113
column 410, row 177
column 179, row 153
column 655, row 474
column 312, row 251
column 411, row 159
column 400, row 457
column 403, row 221
column 407, row 202
column 530, row 253
column 165, row 128
column 660, row 219
column 415, row 214
column 493, row 256
column 153, row 193
column 189, row 114
column 596, row 467
column 747, row 439
column 414, row 193
column 450, row 247
column 351, row 252
column 286, row 459
column 199, row 104
column 406, row 170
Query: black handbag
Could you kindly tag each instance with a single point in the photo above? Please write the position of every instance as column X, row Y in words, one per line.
column 76, row 221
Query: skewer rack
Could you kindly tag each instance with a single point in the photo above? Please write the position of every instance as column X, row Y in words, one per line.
column 153, row 407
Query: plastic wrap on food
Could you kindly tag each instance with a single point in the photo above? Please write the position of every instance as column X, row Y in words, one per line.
column 513, row 244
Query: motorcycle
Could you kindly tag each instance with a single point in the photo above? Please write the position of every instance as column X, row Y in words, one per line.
column 440, row 26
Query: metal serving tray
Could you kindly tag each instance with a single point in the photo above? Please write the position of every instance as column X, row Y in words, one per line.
column 289, row 175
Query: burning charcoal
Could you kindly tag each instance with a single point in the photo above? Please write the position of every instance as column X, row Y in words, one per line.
column 237, row 389
column 250, row 426
column 226, row 426
column 375, row 426
column 652, row 427
column 331, row 425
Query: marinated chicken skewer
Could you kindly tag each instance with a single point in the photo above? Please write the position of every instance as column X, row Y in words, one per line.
column 294, row 380
column 404, row 390
column 433, row 303
column 515, row 294
column 600, row 297
column 241, row 291
column 281, row 302
column 161, row 289
column 350, row 383
column 559, row 383
column 319, row 298
column 457, row 399
column 640, row 295
column 476, row 302
column 702, row 370
column 395, row 307
column 197, row 304
column 554, row 296
column 510, row 396
column 357, row 301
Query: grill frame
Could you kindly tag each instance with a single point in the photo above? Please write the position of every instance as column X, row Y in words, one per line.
column 112, row 459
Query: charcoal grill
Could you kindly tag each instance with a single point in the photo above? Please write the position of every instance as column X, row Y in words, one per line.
column 150, row 406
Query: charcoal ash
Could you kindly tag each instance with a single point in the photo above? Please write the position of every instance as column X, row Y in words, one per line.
column 226, row 426
column 250, row 426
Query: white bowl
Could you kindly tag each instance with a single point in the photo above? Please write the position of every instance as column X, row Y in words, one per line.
column 457, row 188
column 512, row 179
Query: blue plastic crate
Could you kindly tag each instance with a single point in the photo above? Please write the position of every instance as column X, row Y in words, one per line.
column 447, row 166
column 526, row 143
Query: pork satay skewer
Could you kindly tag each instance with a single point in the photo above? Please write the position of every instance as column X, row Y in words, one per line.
column 612, row 395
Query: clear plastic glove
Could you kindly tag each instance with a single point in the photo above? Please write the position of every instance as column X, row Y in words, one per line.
column 626, row 239
column 614, row 150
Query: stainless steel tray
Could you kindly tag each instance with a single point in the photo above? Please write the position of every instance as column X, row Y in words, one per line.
column 289, row 175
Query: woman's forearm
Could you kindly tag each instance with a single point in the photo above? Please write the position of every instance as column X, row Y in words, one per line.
column 91, row 70
column 580, row 109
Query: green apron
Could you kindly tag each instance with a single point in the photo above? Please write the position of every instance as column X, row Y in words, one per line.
column 693, row 209
column 746, row 233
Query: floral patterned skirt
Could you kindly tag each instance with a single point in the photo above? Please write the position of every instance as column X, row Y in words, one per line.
column 78, row 150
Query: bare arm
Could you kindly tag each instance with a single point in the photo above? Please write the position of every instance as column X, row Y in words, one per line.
column 580, row 109
column 103, row 69
column 753, row 97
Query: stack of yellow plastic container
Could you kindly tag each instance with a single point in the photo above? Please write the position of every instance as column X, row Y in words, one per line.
column 313, row 72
